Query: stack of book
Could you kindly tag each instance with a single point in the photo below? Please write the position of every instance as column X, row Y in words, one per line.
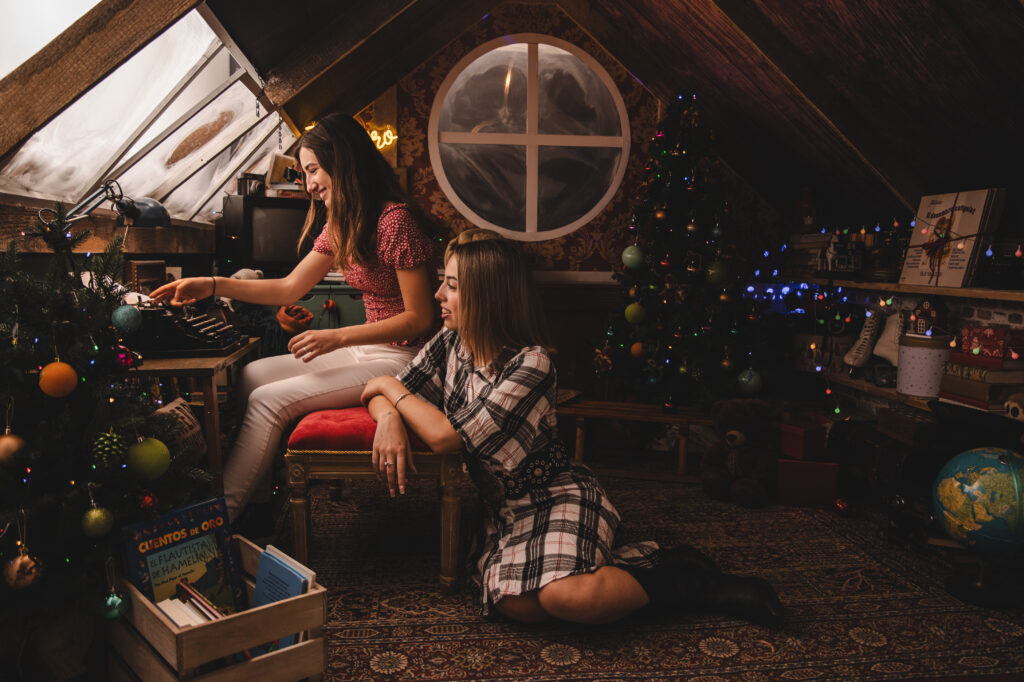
column 985, row 388
column 805, row 255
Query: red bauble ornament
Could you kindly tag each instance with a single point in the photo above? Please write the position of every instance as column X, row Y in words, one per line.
column 122, row 357
column 148, row 500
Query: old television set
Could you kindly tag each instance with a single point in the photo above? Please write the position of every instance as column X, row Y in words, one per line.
column 262, row 233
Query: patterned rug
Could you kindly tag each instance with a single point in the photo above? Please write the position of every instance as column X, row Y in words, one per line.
column 858, row 607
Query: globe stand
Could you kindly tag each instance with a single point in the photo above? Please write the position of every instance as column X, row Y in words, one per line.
column 992, row 581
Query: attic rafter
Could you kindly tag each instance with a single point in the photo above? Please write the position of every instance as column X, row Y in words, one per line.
column 383, row 58
column 822, row 98
column 329, row 45
column 100, row 41
column 742, row 158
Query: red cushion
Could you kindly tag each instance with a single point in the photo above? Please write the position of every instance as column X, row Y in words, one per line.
column 346, row 430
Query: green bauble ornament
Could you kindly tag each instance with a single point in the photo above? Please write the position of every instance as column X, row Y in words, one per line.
column 97, row 522
column 114, row 605
column 148, row 459
column 716, row 272
column 635, row 313
column 108, row 450
column 632, row 256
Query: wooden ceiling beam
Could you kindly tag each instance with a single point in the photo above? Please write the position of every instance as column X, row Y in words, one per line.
column 744, row 157
column 821, row 97
column 327, row 46
column 100, row 41
column 371, row 65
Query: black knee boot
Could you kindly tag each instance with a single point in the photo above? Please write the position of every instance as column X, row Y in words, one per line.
column 685, row 578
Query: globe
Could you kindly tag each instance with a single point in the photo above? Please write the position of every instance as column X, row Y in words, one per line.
column 977, row 499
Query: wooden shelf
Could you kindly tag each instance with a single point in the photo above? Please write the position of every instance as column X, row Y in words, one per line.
column 896, row 288
column 879, row 391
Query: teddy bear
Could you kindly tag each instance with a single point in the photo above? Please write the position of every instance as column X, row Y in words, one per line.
column 741, row 466
column 1014, row 406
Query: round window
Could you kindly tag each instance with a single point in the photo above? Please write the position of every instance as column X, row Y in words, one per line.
column 529, row 137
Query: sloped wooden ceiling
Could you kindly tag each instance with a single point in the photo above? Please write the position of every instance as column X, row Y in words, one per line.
column 870, row 104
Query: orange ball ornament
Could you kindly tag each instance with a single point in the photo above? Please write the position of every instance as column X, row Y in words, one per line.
column 58, row 379
column 637, row 349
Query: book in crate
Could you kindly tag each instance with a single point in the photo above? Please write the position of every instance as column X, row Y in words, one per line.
column 192, row 544
column 146, row 644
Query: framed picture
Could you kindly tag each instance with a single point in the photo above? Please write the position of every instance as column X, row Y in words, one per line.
column 948, row 234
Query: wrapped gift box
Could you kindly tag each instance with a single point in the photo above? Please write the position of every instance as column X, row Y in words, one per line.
column 803, row 483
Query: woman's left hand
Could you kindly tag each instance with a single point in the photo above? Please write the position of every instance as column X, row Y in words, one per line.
column 392, row 458
column 314, row 342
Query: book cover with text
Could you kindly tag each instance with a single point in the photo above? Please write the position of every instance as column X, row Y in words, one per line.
column 191, row 544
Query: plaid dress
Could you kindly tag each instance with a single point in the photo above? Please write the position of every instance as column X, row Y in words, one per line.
column 548, row 518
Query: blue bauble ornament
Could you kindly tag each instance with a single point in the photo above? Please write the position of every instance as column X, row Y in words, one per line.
column 126, row 319
column 632, row 256
column 750, row 381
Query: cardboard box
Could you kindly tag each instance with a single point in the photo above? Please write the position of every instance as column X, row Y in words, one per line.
column 145, row 644
column 806, row 484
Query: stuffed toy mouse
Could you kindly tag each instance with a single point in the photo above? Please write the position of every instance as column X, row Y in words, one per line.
column 244, row 273
column 741, row 466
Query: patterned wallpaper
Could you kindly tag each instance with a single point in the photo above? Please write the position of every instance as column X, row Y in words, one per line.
column 595, row 246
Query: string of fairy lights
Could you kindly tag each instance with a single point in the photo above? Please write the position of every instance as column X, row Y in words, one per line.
column 831, row 306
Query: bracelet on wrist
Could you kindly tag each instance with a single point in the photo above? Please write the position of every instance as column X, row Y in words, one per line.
column 213, row 293
column 402, row 397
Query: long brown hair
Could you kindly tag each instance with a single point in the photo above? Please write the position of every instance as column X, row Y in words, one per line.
column 498, row 300
column 362, row 183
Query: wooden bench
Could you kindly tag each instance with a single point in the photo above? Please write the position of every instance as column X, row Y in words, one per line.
column 639, row 412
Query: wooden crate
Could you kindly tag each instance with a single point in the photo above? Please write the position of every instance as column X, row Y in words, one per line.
column 145, row 644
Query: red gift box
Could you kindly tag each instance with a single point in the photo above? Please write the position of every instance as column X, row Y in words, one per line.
column 803, row 439
column 803, row 483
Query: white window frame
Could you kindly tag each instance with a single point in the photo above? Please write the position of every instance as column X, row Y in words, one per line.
column 532, row 140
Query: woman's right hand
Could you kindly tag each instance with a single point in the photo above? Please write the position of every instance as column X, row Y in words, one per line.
column 184, row 291
column 392, row 457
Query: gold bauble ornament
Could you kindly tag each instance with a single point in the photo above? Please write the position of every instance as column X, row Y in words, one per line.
column 9, row 444
column 23, row 570
column 97, row 522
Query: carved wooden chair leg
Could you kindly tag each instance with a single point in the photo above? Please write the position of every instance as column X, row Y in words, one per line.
column 298, row 502
column 451, row 470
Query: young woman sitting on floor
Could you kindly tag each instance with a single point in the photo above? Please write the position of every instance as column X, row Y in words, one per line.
column 486, row 384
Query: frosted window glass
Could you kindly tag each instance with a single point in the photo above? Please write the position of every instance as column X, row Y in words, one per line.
column 62, row 157
column 528, row 136
column 182, row 202
column 490, row 180
column 489, row 96
column 221, row 120
column 572, row 180
column 572, row 100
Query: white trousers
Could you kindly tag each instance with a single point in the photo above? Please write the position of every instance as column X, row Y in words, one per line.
column 281, row 389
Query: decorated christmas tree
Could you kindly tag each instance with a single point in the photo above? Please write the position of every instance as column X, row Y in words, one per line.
column 84, row 449
column 684, row 334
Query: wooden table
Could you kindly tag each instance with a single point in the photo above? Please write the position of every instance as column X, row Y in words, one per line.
column 204, row 370
column 603, row 409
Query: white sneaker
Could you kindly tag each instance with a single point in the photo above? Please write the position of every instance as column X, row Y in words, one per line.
column 888, row 344
column 860, row 351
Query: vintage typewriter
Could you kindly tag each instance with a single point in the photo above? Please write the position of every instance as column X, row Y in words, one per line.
column 185, row 331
